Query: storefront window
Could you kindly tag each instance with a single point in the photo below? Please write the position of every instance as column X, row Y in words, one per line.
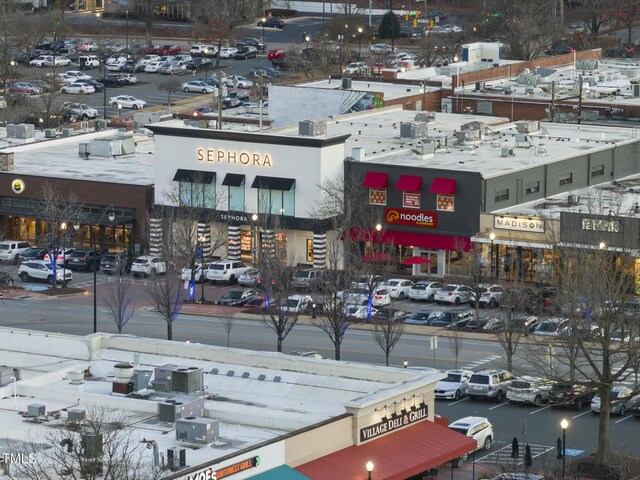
column 276, row 202
column 201, row 195
column 377, row 196
column 309, row 250
column 445, row 203
column 236, row 198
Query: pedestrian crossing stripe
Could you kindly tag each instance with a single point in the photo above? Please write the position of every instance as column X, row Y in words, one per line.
column 481, row 361
column 503, row 455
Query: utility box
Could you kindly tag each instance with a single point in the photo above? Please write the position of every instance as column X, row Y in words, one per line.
column 76, row 415
column 176, row 458
column 36, row 410
column 186, row 380
column 312, row 128
column 141, row 379
column 414, row 129
column 197, row 430
column 91, row 444
column 179, row 407
column 346, row 83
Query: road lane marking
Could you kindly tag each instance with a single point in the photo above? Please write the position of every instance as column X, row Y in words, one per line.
column 498, row 406
column 457, row 401
column 538, row 410
column 581, row 414
column 623, row 419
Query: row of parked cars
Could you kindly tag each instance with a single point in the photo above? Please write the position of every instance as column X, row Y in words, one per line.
column 498, row 385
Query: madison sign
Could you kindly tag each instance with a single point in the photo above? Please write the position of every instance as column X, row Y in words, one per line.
column 411, row 218
column 521, row 224
column 394, row 423
column 220, row 155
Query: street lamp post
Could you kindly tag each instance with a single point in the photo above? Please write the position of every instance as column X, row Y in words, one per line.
column 201, row 240
column 254, row 218
column 306, row 40
column 359, row 43
column 264, row 20
column 369, row 467
column 126, row 30
column 564, row 424
column 492, row 236
column 76, row 226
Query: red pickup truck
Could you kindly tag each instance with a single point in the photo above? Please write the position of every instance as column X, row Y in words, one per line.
column 163, row 50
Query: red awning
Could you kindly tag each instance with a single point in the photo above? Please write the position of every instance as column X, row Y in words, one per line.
column 409, row 183
column 396, row 456
column 443, row 186
column 423, row 240
column 375, row 180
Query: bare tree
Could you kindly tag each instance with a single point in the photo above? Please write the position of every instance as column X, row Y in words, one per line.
column 629, row 11
column 166, row 293
column 118, row 300
column 597, row 13
column 387, row 331
column 227, row 321
column 170, row 86
column 118, row 454
column 456, row 343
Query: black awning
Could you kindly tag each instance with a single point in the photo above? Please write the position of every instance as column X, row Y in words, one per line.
column 193, row 176
column 273, row 183
column 233, row 179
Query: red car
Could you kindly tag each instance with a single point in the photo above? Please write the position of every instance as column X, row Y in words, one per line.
column 275, row 54
column 168, row 50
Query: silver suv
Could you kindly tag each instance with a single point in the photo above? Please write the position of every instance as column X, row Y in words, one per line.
column 478, row 428
column 308, row 279
column 490, row 384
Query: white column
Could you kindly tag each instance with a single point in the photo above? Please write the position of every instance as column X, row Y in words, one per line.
column 233, row 242
column 268, row 247
column 155, row 236
column 319, row 250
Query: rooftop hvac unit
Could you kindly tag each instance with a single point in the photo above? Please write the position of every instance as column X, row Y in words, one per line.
column 506, row 152
column 112, row 147
column 84, row 126
column 186, row 380
column 50, row 133
column 468, row 136
column 573, row 200
column 176, row 458
column 507, row 89
column 5, row 375
column 522, row 140
column 22, row 131
column 101, row 125
column 312, row 128
column 479, row 86
column 141, row 379
column 529, row 126
column 528, row 90
column 179, row 407
column 197, row 430
column 36, row 410
column 425, row 117
column 358, row 154
column 91, row 444
column 636, row 90
column 67, row 132
column 346, row 83
column 414, row 129
column 426, row 149
column 479, row 126
column 541, row 149
column 76, row 415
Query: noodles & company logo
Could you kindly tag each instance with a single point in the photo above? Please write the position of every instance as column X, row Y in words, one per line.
column 17, row 186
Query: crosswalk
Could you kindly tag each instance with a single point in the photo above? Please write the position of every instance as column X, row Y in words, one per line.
column 502, row 456
column 632, row 379
column 481, row 361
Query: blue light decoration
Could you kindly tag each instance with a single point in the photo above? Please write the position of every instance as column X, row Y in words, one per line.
column 266, row 295
column 192, row 290
column 369, row 307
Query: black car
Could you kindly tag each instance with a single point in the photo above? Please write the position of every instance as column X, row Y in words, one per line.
column 198, row 64
column 237, row 95
column 272, row 23
column 237, row 297
column 570, row 395
column 6, row 280
column 132, row 67
column 635, row 408
column 230, row 103
column 113, row 80
column 251, row 42
column 35, row 253
column 559, row 50
column 244, row 53
column 84, row 259
column 36, row 53
column 115, row 264
column 619, row 51
column 97, row 85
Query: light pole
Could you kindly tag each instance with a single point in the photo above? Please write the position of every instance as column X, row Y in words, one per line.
column 126, row 30
column 201, row 240
column 306, row 40
column 111, row 215
column 369, row 467
column 492, row 236
column 359, row 43
column 254, row 218
column 120, row 110
column 63, row 227
column 564, row 424
column 405, row 364
column 263, row 20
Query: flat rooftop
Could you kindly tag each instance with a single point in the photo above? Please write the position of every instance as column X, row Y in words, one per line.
column 59, row 157
column 391, row 91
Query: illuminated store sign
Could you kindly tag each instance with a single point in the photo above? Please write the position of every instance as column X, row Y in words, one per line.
column 394, row 423
column 521, row 224
column 210, row 474
column 234, row 157
column 411, row 218
column 597, row 225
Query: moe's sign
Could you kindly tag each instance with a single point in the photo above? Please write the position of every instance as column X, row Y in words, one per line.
column 411, row 218
column 210, row 474
column 219, row 155
column 394, row 423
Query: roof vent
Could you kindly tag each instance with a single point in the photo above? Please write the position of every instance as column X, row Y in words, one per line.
column 312, row 128
column 425, row 117
column 506, row 152
column 529, row 126
column 358, row 154
column 414, row 129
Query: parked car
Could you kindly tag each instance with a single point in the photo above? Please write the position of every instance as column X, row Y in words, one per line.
column 424, row 290
column 127, row 101
column 619, row 51
column 478, row 428
column 635, row 407
column 454, row 385
column 170, row 68
column 113, row 80
column 309, row 278
column 357, row 68
column 78, row 88
column 517, row 323
column 33, row 253
column 227, row 52
column 198, row 87
column 529, row 390
column 25, row 88
column 446, row 318
column 11, row 249
column 552, row 327
column 390, row 314
column 115, row 264
column 76, row 75
column 358, row 312
column 237, row 95
column 570, row 395
column 492, row 296
column 226, row 271
column 399, row 288
column 272, row 22
column 152, row 67
column 198, row 64
column 559, row 50
column 381, row 49
column 41, row 270
column 238, row 81
column 197, row 272
column 380, row 296
column 297, row 304
column 250, row 278
column 621, row 401
column 81, row 110
column 421, row 317
column 266, row 72
column 251, row 42
column 246, row 52
column 453, row 293
column 228, row 103
column 85, row 259
column 490, row 384
column 147, row 265
column 88, row 62
column 236, row 297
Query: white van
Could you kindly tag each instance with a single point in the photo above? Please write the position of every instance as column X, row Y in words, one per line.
column 199, row 50
column 87, row 62
column 10, row 249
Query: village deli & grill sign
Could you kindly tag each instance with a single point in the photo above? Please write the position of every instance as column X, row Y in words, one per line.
column 394, row 423
column 210, row 474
